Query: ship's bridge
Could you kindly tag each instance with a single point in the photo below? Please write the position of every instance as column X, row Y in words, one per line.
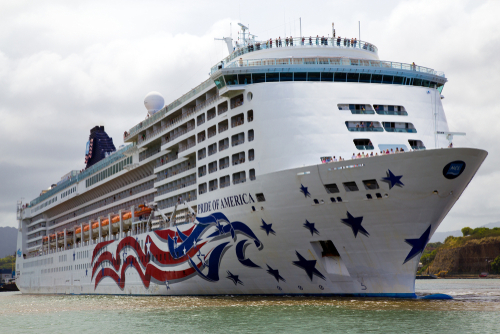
column 301, row 47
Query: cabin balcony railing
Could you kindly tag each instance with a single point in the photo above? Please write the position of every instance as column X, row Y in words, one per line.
column 223, row 147
column 407, row 130
column 222, row 166
column 365, row 147
column 365, row 129
column 392, row 112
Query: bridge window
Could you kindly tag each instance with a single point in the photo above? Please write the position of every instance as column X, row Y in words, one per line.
column 326, row 76
column 313, row 76
column 352, row 77
column 299, row 76
column 244, row 79
column 341, row 77
column 219, row 82
column 272, row 77
column 286, row 76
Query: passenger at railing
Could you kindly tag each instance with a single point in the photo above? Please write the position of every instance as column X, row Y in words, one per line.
column 317, row 39
column 451, row 145
column 270, row 43
column 276, row 42
column 286, row 41
column 303, row 39
column 338, row 41
column 334, row 159
column 291, row 41
column 310, row 40
column 413, row 66
column 240, row 62
column 371, row 126
column 362, row 124
column 371, row 154
column 355, row 41
column 280, row 41
column 353, row 156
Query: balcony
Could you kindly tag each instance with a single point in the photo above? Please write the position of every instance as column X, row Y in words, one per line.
column 238, row 142
column 243, row 180
column 222, row 110
column 211, row 134
column 188, row 146
column 201, row 156
column 222, row 166
column 212, row 170
column 212, row 151
column 225, row 184
column 200, row 174
column 407, row 130
column 365, row 147
column 223, row 128
column 223, row 147
column 251, row 157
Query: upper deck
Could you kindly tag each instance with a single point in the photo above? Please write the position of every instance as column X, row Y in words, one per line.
column 302, row 47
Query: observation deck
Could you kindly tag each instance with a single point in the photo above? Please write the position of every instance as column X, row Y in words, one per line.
column 302, row 47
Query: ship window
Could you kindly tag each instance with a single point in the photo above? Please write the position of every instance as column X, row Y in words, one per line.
column 231, row 79
column 352, row 77
column 371, row 184
column 219, row 82
column 313, row 76
column 332, row 199
column 258, row 77
column 332, row 188
column 398, row 80
column 286, row 76
column 387, row 79
column 328, row 249
column 272, row 77
column 363, row 144
column 299, row 76
column 365, row 77
column 416, row 144
column 350, row 186
column 342, row 77
column 376, row 78
column 244, row 79
column 326, row 76
column 417, row 82
column 368, row 196
column 379, row 195
column 399, row 127
column 260, row 197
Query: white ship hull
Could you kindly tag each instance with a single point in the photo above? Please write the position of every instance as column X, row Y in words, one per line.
column 377, row 256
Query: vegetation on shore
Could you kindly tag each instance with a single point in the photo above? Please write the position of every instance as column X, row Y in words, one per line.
column 470, row 235
column 7, row 262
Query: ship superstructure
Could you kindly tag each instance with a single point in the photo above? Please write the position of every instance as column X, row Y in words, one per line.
column 246, row 184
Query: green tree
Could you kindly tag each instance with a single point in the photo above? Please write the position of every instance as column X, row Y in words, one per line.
column 495, row 265
column 466, row 231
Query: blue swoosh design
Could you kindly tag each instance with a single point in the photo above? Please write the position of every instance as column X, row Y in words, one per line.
column 240, row 254
column 213, row 264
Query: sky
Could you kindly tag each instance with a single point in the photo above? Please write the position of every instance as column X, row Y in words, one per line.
column 66, row 66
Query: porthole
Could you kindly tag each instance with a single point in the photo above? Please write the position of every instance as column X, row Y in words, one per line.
column 249, row 96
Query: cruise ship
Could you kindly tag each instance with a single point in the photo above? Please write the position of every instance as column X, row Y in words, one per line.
column 301, row 166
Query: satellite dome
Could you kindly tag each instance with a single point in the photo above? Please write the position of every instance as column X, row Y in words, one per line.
column 153, row 102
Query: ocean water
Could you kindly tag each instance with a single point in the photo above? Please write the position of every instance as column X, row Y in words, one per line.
column 475, row 309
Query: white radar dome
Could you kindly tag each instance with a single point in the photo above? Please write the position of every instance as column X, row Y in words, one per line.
column 153, row 102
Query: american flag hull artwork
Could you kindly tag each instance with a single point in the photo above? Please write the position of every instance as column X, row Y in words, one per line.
column 196, row 247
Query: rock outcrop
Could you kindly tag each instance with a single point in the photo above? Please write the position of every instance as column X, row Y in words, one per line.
column 471, row 258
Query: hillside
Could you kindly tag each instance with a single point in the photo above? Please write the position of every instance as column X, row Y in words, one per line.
column 473, row 253
column 440, row 236
column 8, row 241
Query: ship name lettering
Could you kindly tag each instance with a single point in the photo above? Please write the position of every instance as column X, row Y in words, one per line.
column 226, row 202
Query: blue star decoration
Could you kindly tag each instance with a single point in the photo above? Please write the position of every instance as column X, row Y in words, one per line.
column 308, row 265
column 275, row 273
column 418, row 245
column 310, row 227
column 267, row 227
column 304, row 191
column 393, row 180
column 234, row 278
column 355, row 224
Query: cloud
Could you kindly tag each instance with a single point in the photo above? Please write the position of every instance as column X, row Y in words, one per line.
column 66, row 66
